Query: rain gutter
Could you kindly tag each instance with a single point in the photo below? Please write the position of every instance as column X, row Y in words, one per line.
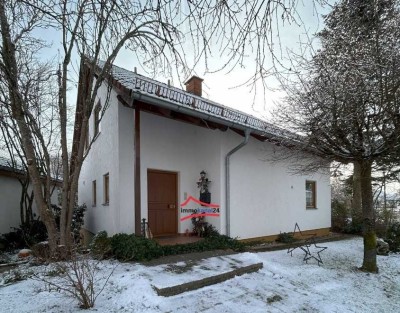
column 195, row 113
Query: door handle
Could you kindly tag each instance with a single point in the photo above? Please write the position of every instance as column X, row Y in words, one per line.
column 171, row 206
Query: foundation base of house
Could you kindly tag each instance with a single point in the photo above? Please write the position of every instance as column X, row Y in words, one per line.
column 317, row 232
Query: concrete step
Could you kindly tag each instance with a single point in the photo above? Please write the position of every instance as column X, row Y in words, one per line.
column 208, row 281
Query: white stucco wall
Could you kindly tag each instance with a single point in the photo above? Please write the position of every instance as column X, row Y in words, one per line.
column 102, row 159
column 183, row 148
column 265, row 198
column 10, row 195
column 126, row 161
column 9, row 203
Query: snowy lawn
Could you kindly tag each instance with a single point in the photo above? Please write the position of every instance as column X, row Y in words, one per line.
column 285, row 284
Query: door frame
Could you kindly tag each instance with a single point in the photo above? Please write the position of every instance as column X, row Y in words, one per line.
column 154, row 170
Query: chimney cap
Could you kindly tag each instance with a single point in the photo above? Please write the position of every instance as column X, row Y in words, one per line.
column 194, row 77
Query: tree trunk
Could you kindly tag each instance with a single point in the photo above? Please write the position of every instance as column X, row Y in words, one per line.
column 369, row 261
column 29, row 203
column 356, row 211
column 75, row 178
column 24, row 203
column 64, row 234
column 16, row 103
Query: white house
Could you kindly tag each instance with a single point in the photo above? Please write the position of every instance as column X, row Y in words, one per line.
column 150, row 147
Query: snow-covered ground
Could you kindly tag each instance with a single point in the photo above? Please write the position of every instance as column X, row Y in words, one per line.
column 285, row 284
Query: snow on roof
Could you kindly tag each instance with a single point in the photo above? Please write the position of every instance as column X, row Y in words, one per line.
column 158, row 90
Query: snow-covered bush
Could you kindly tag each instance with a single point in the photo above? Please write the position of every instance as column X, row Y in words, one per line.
column 15, row 276
column 80, row 277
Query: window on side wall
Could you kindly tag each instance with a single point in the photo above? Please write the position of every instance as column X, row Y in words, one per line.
column 96, row 126
column 106, row 181
column 94, row 193
column 87, row 138
column 311, row 196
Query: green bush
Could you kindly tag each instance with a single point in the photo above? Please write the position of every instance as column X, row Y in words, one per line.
column 100, row 246
column 3, row 244
column 393, row 237
column 285, row 238
column 26, row 235
column 130, row 247
column 126, row 247
column 210, row 231
column 202, row 228
column 77, row 218
column 209, row 243
column 353, row 228
column 13, row 240
column 340, row 214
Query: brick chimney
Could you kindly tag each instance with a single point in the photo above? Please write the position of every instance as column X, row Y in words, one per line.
column 194, row 85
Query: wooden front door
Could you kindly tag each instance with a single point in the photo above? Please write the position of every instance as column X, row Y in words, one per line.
column 162, row 202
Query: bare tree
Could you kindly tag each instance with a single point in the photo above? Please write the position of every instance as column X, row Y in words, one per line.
column 345, row 99
column 38, row 96
column 95, row 30
column 35, row 96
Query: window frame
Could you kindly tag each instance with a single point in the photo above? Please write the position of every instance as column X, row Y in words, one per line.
column 106, row 189
column 96, row 119
column 313, row 194
column 87, row 138
column 94, row 193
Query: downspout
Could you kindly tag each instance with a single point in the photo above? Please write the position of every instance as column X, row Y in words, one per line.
column 227, row 179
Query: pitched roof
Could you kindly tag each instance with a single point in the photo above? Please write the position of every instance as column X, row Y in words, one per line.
column 192, row 104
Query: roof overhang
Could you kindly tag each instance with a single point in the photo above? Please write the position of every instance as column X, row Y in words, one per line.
column 137, row 91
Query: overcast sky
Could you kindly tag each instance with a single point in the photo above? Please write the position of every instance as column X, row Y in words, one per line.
column 221, row 86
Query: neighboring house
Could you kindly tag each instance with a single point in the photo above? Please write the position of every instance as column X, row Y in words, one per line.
column 154, row 140
column 10, row 196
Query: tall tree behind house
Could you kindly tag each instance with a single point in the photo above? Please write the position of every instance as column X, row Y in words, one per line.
column 345, row 100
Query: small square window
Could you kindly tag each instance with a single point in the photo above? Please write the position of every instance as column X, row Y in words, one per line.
column 106, row 179
column 311, row 195
column 94, row 193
